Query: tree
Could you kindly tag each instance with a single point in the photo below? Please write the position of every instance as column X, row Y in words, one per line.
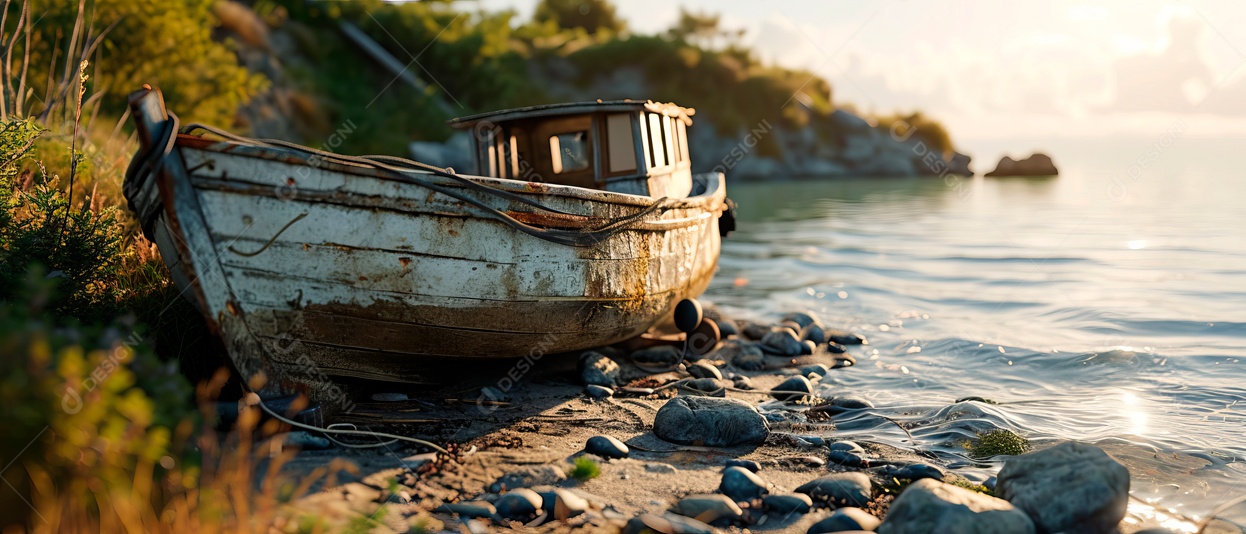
column 702, row 29
column 592, row 15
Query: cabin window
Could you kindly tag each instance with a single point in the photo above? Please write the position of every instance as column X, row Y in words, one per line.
column 569, row 152
column 621, row 147
column 682, row 129
column 657, row 156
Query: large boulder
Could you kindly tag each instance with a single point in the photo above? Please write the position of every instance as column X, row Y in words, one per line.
column 1072, row 487
column 932, row 506
column 710, row 421
column 1038, row 164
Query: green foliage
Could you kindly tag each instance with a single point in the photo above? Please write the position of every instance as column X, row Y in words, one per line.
column 584, row 468
column 962, row 483
column 919, row 126
column 997, row 442
column 592, row 16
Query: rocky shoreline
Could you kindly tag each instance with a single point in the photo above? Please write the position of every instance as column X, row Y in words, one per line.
column 741, row 437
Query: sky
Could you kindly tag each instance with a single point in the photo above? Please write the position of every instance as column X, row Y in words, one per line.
column 1030, row 73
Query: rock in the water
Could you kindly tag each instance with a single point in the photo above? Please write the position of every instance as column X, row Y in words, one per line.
column 792, row 389
column 932, row 506
column 797, row 503
column 467, row 509
column 815, row 369
column 813, row 333
column 747, row 464
column 665, row 524
column 1038, row 164
column 521, row 504
column 851, row 402
column 1072, row 487
column 850, row 446
column 847, row 458
column 840, row 489
column 710, row 421
column 568, row 504
column 782, row 342
column 843, row 337
column 848, row 518
column 710, row 386
column 661, row 355
column 745, row 355
column 598, row 392
column 597, row 369
column 741, row 484
column 704, row 370
column 527, row 477
column 606, row 447
column 802, row 318
column 755, row 331
column 708, row 508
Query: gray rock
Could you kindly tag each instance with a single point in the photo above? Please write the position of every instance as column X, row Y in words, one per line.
column 813, row 333
column 755, row 331
column 467, row 509
column 745, row 355
column 727, row 327
column 808, row 347
column 704, row 370
column 521, row 504
column 389, row 397
column 990, row 483
column 661, row 355
column 598, row 369
column 709, row 421
column 598, row 392
column 835, row 348
column 850, row 446
column 1072, row 487
column 742, row 382
column 747, row 464
column 710, row 386
column 919, row 471
column 850, row 459
column 785, row 416
column 797, row 503
column 644, row 392
column 657, row 467
column 568, row 504
column 851, row 402
column 781, row 342
column 798, row 384
column 708, row 508
column 816, row 369
column 802, row 319
column 606, row 447
column 527, row 477
column 667, row 524
column 843, row 337
column 932, row 506
column 741, row 484
column 848, row 518
column 840, row 489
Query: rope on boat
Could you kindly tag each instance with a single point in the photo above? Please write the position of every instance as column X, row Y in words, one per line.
column 404, row 169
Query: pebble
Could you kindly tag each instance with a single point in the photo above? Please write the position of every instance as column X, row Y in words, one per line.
column 844, row 360
column 385, row 396
column 784, row 390
column 848, row 518
column 710, row 386
column 793, row 326
column 816, row 369
column 307, row 441
column 1071, row 487
column 835, row 348
column 797, row 503
column 843, row 337
column 704, row 370
column 708, row 508
column 782, row 342
column 668, row 524
column 813, row 333
column 742, row 382
column 597, row 369
column 808, row 347
column 802, row 318
column 568, row 504
column 745, row 355
column 741, row 484
column 657, row 467
column 659, row 355
column 521, row 504
column 851, row 403
column 932, row 506
column 710, row 422
column 606, row 447
column 644, row 392
column 850, row 446
column 467, row 509
column 727, row 327
column 598, row 392
column 919, row 471
column 527, row 477
column 747, row 464
column 850, row 459
column 852, row 489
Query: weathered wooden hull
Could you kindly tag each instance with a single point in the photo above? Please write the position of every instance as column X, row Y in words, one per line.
column 298, row 262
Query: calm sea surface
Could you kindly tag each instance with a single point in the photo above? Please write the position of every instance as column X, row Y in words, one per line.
column 1099, row 305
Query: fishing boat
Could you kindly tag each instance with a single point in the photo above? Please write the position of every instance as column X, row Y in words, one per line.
column 581, row 226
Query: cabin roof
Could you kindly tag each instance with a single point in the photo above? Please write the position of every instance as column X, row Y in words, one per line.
column 575, row 108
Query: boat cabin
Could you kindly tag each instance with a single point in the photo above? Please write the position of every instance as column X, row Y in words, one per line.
column 638, row 148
